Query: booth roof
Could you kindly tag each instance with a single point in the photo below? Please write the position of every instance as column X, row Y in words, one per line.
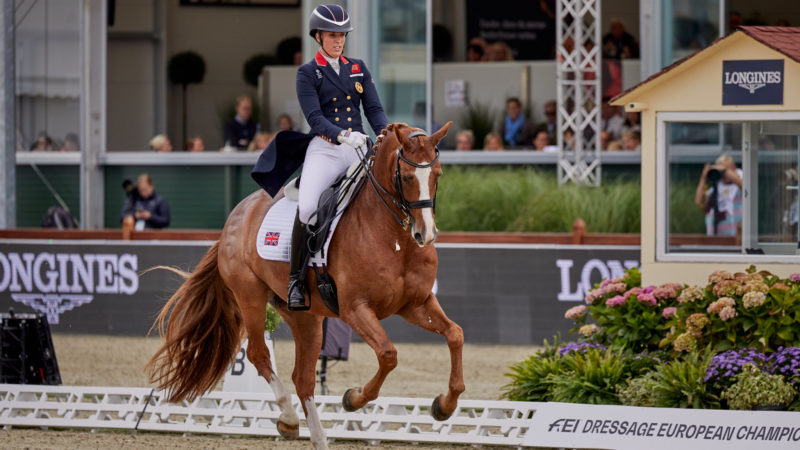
column 785, row 40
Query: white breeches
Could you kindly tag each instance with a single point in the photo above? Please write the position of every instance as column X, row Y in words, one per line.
column 324, row 162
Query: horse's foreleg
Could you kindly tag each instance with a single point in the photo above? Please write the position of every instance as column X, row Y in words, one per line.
column 429, row 315
column 254, row 311
column 364, row 322
column 307, row 332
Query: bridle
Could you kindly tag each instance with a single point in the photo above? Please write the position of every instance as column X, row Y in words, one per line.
column 401, row 203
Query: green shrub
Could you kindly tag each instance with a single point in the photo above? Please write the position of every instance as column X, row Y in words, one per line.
column 638, row 391
column 680, row 384
column 530, row 378
column 752, row 388
column 589, row 377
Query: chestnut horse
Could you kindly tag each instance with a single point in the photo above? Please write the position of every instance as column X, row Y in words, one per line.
column 382, row 266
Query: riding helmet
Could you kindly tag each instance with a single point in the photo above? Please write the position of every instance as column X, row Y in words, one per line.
column 329, row 18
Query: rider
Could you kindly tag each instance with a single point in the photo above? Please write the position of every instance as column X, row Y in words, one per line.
column 331, row 90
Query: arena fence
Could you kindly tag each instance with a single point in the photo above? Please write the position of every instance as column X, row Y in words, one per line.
column 477, row 422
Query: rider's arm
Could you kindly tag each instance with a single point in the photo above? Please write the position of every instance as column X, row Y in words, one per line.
column 372, row 104
column 309, row 102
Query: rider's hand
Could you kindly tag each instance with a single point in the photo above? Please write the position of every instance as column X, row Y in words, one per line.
column 352, row 138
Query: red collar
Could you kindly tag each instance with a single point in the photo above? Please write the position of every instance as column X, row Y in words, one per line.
column 321, row 61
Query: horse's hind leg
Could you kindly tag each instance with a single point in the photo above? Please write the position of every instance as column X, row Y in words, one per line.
column 252, row 299
column 307, row 332
column 429, row 315
column 364, row 322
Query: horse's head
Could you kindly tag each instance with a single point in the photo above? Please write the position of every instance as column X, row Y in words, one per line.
column 412, row 157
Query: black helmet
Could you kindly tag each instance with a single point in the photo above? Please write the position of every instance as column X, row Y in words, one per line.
column 329, row 18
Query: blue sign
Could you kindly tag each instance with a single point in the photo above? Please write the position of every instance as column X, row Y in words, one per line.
column 755, row 82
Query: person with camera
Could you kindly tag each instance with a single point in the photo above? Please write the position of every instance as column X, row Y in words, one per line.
column 144, row 206
column 719, row 193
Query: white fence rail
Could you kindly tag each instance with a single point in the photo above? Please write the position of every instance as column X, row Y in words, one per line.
column 386, row 419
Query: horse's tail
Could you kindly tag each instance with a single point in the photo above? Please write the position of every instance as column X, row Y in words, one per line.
column 201, row 324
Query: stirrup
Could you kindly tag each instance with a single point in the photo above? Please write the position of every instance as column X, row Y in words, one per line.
column 296, row 284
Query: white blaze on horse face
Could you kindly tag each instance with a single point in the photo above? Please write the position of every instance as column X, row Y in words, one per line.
column 318, row 437
column 423, row 177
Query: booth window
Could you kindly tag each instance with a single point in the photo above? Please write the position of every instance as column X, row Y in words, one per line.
column 731, row 189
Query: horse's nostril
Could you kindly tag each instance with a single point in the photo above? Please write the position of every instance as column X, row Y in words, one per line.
column 418, row 237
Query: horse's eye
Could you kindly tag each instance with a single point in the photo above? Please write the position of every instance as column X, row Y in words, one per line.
column 406, row 179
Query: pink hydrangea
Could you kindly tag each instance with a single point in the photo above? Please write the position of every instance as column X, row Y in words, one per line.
column 615, row 301
column 593, row 295
column 616, row 288
column 795, row 277
column 727, row 313
column 668, row 312
column 632, row 291
column 648, row 298
column 606, row 282
column 665, row 293
column 575, row 312
column 649, row 289
column 588, row 330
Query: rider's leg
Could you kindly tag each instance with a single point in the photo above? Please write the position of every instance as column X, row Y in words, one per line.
column 323, row 163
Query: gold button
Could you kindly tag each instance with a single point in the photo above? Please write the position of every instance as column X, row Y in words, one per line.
column 348, row 97
column 335, row 109
column 336, row 119
column 348, row 109
column 334, row 98
column 349, row 119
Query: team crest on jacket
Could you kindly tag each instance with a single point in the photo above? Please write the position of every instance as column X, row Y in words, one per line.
column 359, row 88
column 319, row 73
column 355, row 69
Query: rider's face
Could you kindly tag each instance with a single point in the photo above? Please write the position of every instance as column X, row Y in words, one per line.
column 332, row 42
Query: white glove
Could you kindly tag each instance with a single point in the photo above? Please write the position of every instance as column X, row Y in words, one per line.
column 352, row 138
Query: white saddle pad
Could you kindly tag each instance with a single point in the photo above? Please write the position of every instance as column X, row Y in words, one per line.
column 274, row 236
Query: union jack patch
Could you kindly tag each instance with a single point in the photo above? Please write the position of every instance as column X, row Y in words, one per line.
column 271, row 238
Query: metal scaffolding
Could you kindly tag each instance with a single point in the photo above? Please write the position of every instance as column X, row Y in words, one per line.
column 578, row 75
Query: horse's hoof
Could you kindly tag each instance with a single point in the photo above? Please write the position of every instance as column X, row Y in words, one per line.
column 290, row 432
column 436, row 410
column 346, row 401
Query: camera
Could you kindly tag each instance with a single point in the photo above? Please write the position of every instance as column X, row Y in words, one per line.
column 130, row 189
column 713, row 176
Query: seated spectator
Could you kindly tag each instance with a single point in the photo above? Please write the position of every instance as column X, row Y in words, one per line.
column 285, row 122
column 160, row 143
column 480, row 42
column 541, row 140
column 195, row 144
column 569, row 140
column 516, row 129
column 611, row 119
column 605, row 139
column 70, row 143
column 465, row 140
column 631, row 140
column 551, row 120
column 475, row 53
column 632, row 122
column 493, row 142
column 42, row 144
column 240, row 130
column 614, row 146
column 618, row 43
column 260, row 142
column 147, row 208
column 499, row 51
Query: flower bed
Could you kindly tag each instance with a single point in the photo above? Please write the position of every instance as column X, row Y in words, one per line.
column 675, row 345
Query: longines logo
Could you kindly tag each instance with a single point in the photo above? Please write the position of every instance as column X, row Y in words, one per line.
column 53, row 283
column 753, row 81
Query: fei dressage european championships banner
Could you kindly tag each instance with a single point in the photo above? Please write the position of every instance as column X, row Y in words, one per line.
column 573, row 425
column 499, row 294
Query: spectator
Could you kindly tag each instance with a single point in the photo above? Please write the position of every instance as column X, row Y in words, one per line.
column 611, row 119
column 160, row 143
column 195, row 144
column 569, row 140
column 42, row 144
column 465, row 140
column 147, row 208
column 541, row 140
column 605, row 139
column 719, row 193
column 551, row 120
column 475, row 53
column 240, row 130
column 481, row 42
column 260, row 142
column 285, row 122
column 631, row 140
column 493, row 142
column 499, row 51
column 70, row 143
column 614, row 146
column 618, row 43
column 632, row 122
column 516, row 129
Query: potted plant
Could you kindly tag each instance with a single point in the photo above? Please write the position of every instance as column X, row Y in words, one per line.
column 754, row 389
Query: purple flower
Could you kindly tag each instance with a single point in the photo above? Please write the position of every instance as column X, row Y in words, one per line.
column 615, row 301
column 649, row 289
column 795, row 277
column 728, row 363
column 582, row 347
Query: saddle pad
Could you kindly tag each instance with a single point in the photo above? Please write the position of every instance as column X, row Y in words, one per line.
column 273, row 241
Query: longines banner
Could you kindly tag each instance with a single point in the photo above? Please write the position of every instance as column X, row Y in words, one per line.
column 623, row 427
column 514, row 294
column 756, row 82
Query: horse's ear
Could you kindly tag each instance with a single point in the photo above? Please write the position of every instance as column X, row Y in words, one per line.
column 402, row 138
column 439, row 135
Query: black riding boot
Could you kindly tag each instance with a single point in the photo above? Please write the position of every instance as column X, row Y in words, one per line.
column 297, row 267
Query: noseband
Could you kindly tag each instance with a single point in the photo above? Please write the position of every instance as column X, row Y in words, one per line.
column 401, row 203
